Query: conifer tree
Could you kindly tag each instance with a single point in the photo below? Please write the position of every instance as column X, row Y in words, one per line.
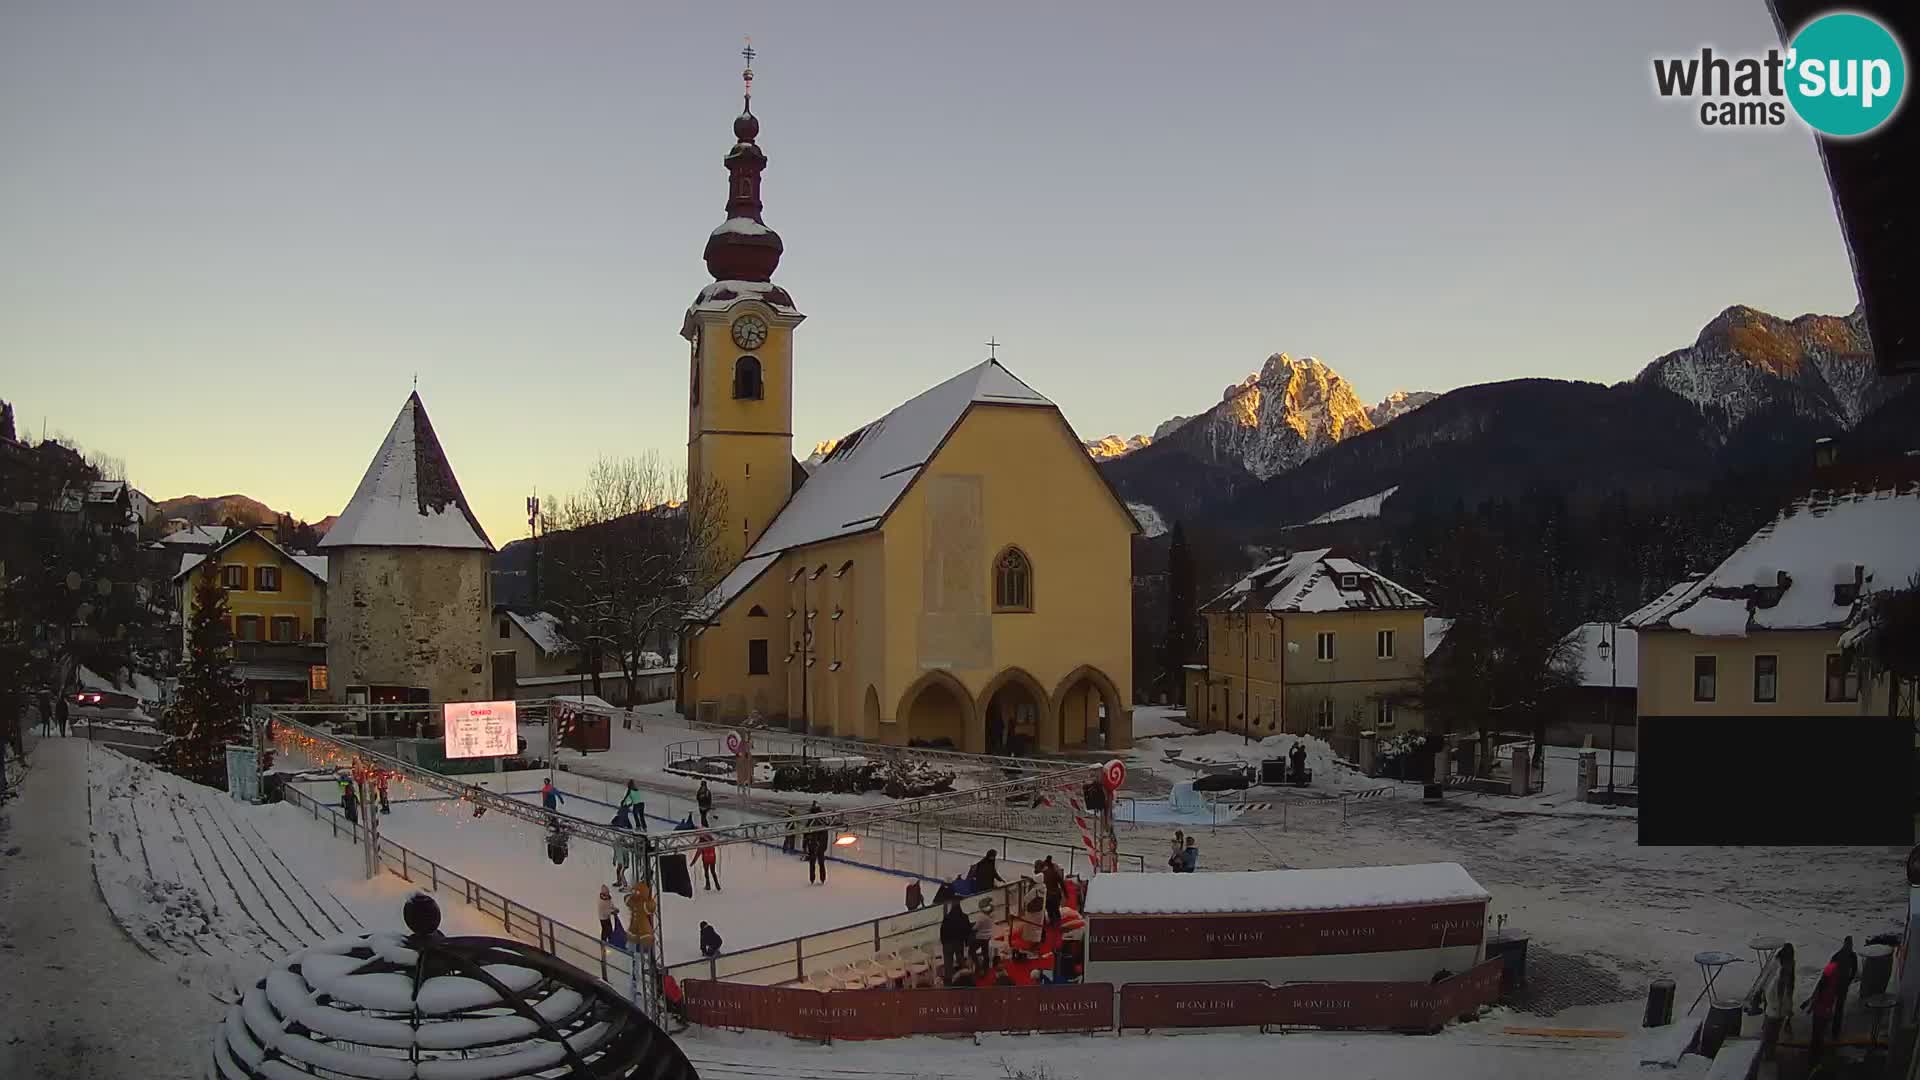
column 207, row 713
column 1179, row 644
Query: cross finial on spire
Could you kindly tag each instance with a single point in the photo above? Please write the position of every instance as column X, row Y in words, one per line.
column 993, row 349
column 416, row 381
column 746, row 76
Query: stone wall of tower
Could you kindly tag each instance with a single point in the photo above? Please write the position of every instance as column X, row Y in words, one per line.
column 408, row 616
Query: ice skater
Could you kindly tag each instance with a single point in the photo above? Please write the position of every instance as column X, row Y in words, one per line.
column 384, row 808
column 709, row 863
column 605, row 908
column 709, row 941
column 550, row 797
column 635, row 805
column 704, row 798
column 349, row 802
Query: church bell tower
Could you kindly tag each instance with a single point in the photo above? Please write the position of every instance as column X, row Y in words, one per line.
column 740, row 329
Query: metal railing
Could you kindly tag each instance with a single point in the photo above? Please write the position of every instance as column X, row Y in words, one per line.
column 799, row 745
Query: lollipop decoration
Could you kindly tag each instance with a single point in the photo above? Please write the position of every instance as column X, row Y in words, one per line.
column 733, row 742
column 1113, row 774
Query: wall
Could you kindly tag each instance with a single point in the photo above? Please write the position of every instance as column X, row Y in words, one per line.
column 409, row 617
column 529, row 660
column 1581, row 711
column 1021, row 478
column 1666, row 675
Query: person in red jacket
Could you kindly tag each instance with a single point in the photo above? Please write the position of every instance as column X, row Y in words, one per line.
column 709, row 863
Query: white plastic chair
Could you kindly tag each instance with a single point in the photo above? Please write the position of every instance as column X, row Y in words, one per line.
column 850, row 977
column 874, row 972
column 916, row 965
column 822, row 981
column 894, row 966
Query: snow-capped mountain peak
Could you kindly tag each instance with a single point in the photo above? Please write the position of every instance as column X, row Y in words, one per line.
column 1398, row 404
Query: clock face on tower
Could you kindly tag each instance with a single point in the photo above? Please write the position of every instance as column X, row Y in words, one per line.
column 749, row 332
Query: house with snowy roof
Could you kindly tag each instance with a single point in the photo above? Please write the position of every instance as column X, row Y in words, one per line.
column 1600, row 703
column 276, row 610
column 1312, row 642
column 1760, row 635
column 529, row 643
column 954, row 573
column 409, row 599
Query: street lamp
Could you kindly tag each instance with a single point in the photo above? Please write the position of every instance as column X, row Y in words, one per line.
column 1611, row 653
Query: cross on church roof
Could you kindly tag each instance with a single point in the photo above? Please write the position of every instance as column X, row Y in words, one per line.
column 993, row 348
column 746, row 76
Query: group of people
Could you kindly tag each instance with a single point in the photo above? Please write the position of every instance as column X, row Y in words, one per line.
column 53, row 712
column 350, row 797
column 966, row 942
column 1773, row 997
column 1185, row 857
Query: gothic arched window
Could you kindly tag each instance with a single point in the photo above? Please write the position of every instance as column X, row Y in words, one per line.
column 746, row 378
column 1012, row 581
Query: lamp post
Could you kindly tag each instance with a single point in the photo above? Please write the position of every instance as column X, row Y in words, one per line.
column 1246, row 677
column 1610, row 652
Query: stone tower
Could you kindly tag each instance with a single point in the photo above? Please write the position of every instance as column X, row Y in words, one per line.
column 740, row 397
column 409, row 597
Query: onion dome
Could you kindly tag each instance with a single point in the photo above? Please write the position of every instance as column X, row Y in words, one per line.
column 743, row 248
column 423, row 1006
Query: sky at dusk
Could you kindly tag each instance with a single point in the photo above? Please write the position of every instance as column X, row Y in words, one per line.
column 231, row 234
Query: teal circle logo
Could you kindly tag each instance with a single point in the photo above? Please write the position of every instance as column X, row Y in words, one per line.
column 1846, row 74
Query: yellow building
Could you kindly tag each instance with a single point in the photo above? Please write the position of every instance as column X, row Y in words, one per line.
column 1311, row 643
column 276, row 610
column 955, row 572
column 1760, row 636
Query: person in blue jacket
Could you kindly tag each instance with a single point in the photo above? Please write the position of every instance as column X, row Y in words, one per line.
column 550, row 797
column 1192, row 860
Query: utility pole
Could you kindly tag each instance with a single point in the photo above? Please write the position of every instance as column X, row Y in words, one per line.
column 1613, row 735
column 533, row 533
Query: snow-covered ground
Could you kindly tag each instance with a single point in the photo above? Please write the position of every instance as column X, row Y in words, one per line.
column 1160, row 757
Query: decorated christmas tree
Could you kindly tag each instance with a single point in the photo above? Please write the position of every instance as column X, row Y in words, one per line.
column 208, row 711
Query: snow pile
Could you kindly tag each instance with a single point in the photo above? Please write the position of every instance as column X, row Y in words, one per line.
column 409, row 496
column 1330, row 771
column 1367, row 507
column 1283, row 890
column 137, row 684
column 1154, row 721
column 543, row 629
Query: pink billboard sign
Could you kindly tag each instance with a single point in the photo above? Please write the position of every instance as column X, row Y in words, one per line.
column 481, row 729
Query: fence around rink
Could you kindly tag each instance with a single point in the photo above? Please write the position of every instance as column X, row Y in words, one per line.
column 883, row 1014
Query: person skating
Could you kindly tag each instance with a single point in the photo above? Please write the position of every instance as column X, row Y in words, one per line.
column 605, row 910
column 956, row 930
column 704, row 799
column 709, row 941
column 709, row 863
column 550, row 797
column 817, row 852
column 635, row 806
column 1848, row 964
column 1056, row 884
column 1777, row 994
column 915, row 898
column 349, row 802
column 384, row 808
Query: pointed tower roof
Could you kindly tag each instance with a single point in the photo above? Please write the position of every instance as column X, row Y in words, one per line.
column 409, row 497
column 742, row 253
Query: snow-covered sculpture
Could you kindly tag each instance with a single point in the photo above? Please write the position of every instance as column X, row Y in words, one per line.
column 424, row 1006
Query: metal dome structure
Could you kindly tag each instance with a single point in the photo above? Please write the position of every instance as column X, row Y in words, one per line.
column 424, row 1006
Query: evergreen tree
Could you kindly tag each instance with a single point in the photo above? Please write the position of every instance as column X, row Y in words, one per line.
column 208, row 712
column 1179, row 646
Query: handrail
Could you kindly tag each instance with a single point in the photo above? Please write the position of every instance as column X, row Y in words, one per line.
column 876, row 749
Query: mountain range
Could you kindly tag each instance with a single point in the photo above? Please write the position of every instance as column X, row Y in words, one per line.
column 1292, row 445
column 215, row 509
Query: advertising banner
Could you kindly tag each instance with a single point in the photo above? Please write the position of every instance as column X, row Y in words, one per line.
column 1310, row 933
column 890, row 1014
column 480, row 729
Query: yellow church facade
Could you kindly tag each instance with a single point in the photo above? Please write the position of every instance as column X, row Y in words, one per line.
column 955, row 573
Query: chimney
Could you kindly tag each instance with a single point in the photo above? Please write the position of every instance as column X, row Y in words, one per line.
column 1825, row 453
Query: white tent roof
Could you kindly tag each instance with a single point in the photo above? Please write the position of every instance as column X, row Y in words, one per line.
column 1249, row 891
column 408, row 497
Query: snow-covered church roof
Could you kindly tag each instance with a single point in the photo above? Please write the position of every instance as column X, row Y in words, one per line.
column 1311, row 581
column 1798, row 571
column 409, row 497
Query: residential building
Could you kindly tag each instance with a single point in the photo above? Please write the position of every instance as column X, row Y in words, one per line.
column 410, row 602
column 1759, row 636
column 1601, row 705
column 276, row 612
column 528, row 644
column 1312, row 643
column 954, row 573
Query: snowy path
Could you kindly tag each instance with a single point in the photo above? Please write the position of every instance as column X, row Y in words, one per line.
column 80, row 999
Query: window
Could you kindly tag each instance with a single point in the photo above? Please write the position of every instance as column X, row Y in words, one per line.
column 247, row 627
column 319, row 634
column 756, row 612
column 266, row 579
column 757, row 656
column 1705, row 678
column 233, row 577
column 506, row 631
column 1766, row 678
column 1383, row 644
column 1323, row 713
column 1349, row 581
column 746, row 379
column 283, row 628
column 1323, row 645
column 1383, row 713
column 1012, row 581
column 1843, row 680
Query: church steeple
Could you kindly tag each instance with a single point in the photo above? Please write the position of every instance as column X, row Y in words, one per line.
column 743, row 248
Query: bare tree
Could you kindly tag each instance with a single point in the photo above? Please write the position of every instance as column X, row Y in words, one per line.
column 633, row 554
column 108, row 466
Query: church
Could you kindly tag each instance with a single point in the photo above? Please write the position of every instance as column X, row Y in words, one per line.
column 955, row 573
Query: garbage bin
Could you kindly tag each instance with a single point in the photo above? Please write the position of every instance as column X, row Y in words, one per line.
column 1876, row 969
column 1511, row 949
column 1723, row 1021
column 1659, row 1004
